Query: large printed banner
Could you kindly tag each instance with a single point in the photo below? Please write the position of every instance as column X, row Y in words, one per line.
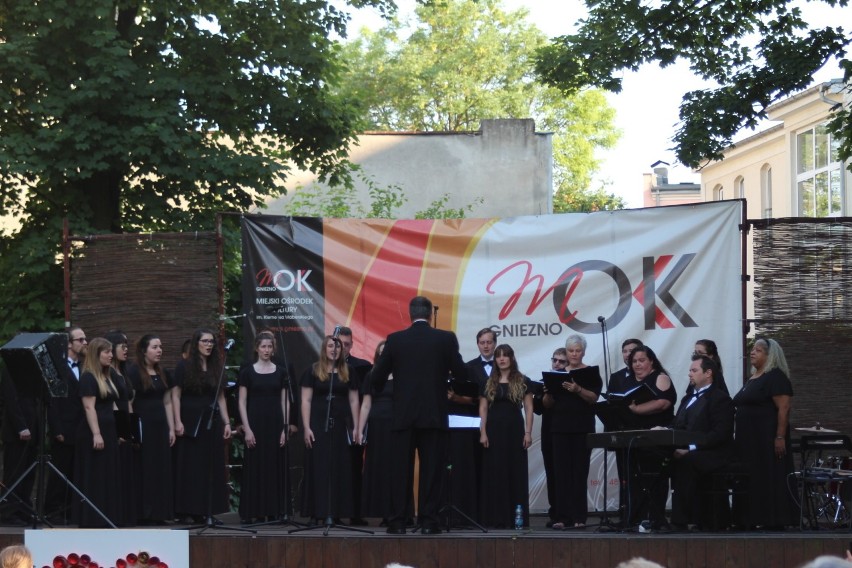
column 668, row 276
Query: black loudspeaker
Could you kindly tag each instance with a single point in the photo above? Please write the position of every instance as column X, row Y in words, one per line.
column 38, row 364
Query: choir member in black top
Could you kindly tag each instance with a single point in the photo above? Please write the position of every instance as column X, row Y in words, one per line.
column 328, row 459
column 263, row 405
column 20, row 444
column 762, row 440
column 128, row 454
column 152, row 402
column 622, row 379
column 572, row 418
column 707, row 348
column 374, row 431
column 505, row 408
column 360, row 369
column 64, row 415
column 558, row 362
column 200, row 488
column 96, row 469
column 647, row 480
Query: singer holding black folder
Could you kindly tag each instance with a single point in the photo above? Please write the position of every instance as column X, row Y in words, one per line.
column 572, row 417
column 646, row 485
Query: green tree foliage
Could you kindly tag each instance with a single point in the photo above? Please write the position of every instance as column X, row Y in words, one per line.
column 150, row 115
column 461, row 61
column 756, row 53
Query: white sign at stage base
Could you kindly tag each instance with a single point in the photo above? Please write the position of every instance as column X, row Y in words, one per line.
column 105, row 546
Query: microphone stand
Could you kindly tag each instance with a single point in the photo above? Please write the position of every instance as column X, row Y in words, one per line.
column 210, row 522
column 331, row 439
column 605, row 524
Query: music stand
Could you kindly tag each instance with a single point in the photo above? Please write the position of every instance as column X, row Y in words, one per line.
column 458, row 423
column 38, row 369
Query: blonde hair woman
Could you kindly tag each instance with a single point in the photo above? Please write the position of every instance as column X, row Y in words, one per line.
column 327, row 451
column 96, row 460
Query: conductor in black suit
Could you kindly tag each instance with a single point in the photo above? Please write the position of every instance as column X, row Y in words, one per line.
column 421, row 358
column 708, row 410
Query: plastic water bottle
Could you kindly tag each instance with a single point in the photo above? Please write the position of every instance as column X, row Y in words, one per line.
column 519, row 518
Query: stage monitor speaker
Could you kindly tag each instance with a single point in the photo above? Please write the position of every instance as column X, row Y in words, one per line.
column 38, row 364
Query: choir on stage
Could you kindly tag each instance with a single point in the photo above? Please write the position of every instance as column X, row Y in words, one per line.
column 416, row 440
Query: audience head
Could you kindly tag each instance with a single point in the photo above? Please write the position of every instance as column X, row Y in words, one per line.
column 16, row 556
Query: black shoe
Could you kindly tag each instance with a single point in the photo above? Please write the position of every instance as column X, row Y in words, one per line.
column 396, row 529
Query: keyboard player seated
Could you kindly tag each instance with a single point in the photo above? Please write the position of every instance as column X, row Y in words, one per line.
column 709, row 411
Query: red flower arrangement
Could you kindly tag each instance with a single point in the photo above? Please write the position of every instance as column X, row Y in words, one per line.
column 142, row 560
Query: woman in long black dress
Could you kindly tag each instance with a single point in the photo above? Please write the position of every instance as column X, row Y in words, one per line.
column 506, row 413
column 374, row 429
column 153, row 404
column 263, row 404
column 199, row 452
column 96, row 460
column 327, row 454
column 571, row 418
column 128, row 454
column 762, row 440
column 647, row 490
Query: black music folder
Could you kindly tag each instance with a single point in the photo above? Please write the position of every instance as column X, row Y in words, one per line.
column 614, row 412
column 585, row 377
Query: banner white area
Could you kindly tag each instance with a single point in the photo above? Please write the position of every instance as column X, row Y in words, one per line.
column 668, row 276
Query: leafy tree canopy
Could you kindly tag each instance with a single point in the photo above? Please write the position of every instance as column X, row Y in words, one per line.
column 460, row 61
column 757, row 52
column 150, row 115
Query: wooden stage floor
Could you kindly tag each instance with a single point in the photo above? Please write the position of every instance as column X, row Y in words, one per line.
column 538, row 547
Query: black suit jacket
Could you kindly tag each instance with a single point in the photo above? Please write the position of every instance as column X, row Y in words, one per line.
column 421, row 359
column 64, row 414
column 713, row 414
column 476, row 372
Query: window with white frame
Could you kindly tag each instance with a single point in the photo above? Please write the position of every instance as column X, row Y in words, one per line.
column 718, row 193
column 766, row 190
column 819, row 172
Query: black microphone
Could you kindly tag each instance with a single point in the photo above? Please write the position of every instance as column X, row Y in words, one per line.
column 601, row 319
column 229, row 344
column 336, row 333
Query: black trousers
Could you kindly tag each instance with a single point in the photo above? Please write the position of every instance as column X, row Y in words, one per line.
column 431, row 445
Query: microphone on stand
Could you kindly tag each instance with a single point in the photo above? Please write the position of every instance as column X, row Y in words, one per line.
column 229, row 344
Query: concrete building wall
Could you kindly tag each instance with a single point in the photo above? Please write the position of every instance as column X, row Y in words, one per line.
column 506, row 164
